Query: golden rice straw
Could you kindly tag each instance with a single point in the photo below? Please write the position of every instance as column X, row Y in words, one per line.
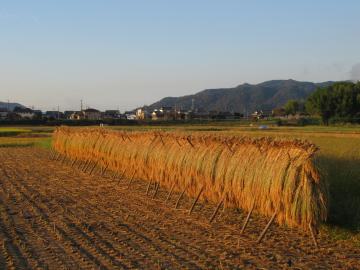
column 279, row 175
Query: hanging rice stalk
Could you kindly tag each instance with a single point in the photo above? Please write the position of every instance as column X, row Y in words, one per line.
column 263, row 174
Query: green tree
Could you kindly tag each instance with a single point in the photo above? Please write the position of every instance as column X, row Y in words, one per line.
column 292, row 107
column 340, row 100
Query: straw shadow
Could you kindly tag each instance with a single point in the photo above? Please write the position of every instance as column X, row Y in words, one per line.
column 343, row 177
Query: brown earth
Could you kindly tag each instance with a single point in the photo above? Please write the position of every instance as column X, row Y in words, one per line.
column 54, row 216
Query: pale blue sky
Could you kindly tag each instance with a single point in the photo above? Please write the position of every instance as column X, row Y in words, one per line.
column 123, row 54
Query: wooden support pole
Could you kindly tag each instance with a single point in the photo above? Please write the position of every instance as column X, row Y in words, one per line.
column 93, row 168
column 178, row 200
column 162, row 141
column 63, row 160
column 131, row 180
column 74, row 161
column 103, row 172
column 247, row 218
column 52, row 153
column 196, row 200
column 216, row 211
column 58, row 157
column 170, row 192
column 313, row 236
column 148, row 188
column 121, row 177
column 115, row 174
column 80, row 164
column 176, row 139
column 189, row 141
column 156, row 189
column 266, row 228
column 87, row 166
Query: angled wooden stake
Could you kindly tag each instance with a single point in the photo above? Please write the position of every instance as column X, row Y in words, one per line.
column 196, row 200
column 85, row 164
column 266, row 228
column 148, row 188
column 178, row 200
column 93, row 168
column 52, row 154
column 104, row 171
column 216, row 210
column 156, row 189
column 63, row 160
column 115, row 174
column 162, row 141
column 131, row 180
column 189, row 141
column 80, row 164
column 176, row 139
column 313, row 236
column 87, row 167
column 58, row 157
column 121, row 177
column 170, row 192
column 247, row 218
column 73, row 163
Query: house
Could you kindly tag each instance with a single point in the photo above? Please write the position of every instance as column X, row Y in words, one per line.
column 77, row 115
column 67, row 114
column 92, row 114
column 130, row 115
column 3, row 113
column 261, row 114
column 181, row 114
column 278, row 112
column 24, row 113
column 112, row 114
column 142, row 114
column 168, row 113
column 54, row 115
column 157, row 115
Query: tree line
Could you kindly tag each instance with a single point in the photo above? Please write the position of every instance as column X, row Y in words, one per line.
column 338, row 101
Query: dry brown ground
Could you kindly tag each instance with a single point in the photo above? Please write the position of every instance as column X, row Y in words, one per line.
column 54, row 216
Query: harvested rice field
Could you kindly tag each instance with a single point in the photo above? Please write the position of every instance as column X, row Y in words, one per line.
column 53, row 215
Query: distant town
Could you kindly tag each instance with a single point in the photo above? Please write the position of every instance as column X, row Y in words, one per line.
column 160, row 114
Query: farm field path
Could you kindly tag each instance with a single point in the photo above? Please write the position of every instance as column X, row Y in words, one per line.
column 54, row 216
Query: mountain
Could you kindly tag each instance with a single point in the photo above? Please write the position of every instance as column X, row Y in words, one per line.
column 245, row 97
column 11, row 106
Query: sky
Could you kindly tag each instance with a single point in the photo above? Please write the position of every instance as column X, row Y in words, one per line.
column 124, row 54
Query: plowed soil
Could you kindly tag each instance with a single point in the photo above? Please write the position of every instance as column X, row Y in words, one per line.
column 55, row 216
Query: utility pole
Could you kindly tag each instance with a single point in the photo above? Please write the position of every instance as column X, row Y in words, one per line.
column 8, row 105
column 81, row 105
column 58, row 112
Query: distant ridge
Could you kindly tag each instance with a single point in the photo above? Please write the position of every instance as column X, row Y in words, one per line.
column 245, row 97
column 5, row 105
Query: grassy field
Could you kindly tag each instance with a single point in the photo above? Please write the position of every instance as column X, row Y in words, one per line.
column 338, row 158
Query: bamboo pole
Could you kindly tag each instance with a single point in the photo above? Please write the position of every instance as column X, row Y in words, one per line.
column 247, row 218
column 104, row 171
column 313, row 236
column 178, row 200
column 156, row 189
column 266, row 228
column 196, row 200
column 93, row 168
column 189, row 141
column 73, row 163
column 87, row 167
column 148, row 188
column 170, row 192
column 216, row 210
column 131, row 180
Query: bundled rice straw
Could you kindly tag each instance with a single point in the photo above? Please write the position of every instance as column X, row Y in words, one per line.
column 275, row 175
